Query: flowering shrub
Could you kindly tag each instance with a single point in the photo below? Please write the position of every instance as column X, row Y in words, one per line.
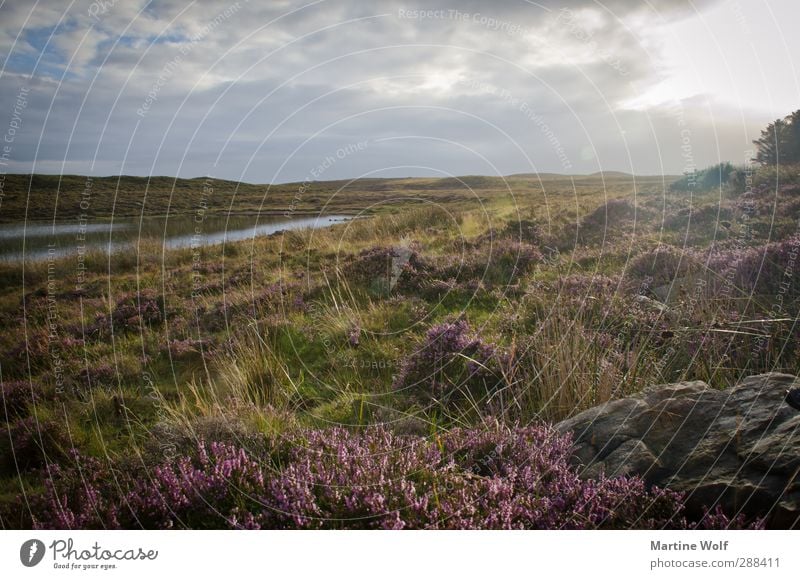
column 102, row 375
column 30, row 443
column 133, row 311
column 488, row 478
column 709, row 217
column 279, row 296
column 369, row 265
column 770, row 269
column 611, row 211
column 450, row 363
column 33, row 348
column 195, row 491
column 214, row 318
column 526, row 230
column 354, row 335
column 765, row 270
column 662, row 265
column 605, row 222
column 501, row 262
column 382, row 269
column 184, row 349
column 136, row 308
column 16, row 397
column 509, row 260
column 77, row 496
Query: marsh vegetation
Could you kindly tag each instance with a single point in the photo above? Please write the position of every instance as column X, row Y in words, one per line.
column 398, row 371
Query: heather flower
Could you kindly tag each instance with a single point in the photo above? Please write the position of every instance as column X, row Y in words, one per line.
column 767, row 270
column 134, row 309
column 183, row 349
column 102, row 375
column 663, row 265
column 492, row 477
column 451, row 362
column 526, row 230
column 381, row 270
column 76, row 496
column 69, row 342
column 500, row 263
column 101, row 326
column 200, row 492
column 35, row 348
column 614, row 216
column 213, row 319
column 353, row 335
column 16, row 397
column 30, row 443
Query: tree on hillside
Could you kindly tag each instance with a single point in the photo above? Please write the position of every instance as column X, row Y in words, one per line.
column 794, row 134
column 779, row 143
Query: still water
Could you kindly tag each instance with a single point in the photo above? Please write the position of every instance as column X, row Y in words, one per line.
column 35, row 241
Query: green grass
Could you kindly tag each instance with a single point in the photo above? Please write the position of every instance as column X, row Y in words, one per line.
column 266, row 343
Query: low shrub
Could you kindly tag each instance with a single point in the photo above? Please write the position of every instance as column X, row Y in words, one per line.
column 488, row 478
column 380, row 270
column 663, row 265
column 607, row 221
column 30, row 443
column 498, row 263
column 16, row 397
column 451, row 364
column 766, row 270
column 527, row 230
column 705, row 179
column 137, row 308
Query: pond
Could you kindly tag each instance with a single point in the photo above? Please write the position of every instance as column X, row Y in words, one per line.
column 35, row 241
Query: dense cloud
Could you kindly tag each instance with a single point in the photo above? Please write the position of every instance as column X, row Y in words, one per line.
column 264, row 91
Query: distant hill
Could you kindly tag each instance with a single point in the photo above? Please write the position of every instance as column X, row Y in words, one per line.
column 543, row 176
column 611, row 174
column 45, row 197
column 595, row 175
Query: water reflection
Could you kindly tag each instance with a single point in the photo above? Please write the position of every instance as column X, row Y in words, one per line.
column 37, row 241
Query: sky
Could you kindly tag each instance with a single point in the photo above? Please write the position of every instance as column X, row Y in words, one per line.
column 281, row 91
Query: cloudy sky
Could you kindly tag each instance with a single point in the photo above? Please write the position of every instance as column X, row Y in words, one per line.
column 278, row 91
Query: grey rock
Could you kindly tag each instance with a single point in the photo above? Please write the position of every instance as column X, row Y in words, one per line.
column 678, row 288
column 739, row 448
column 656, row 306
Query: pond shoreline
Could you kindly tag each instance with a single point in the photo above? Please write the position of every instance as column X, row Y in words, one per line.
column 31, row 241
column 270, row 213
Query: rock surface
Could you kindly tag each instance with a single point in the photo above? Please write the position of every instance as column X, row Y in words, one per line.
column 739, row 448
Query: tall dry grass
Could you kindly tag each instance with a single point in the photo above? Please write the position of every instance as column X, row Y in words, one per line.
column 562, row 369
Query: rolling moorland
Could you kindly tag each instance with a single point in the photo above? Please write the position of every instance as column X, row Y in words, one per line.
column 398, row 371
column 32, row 196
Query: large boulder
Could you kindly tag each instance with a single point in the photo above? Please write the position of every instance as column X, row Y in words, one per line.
column 738, row 448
